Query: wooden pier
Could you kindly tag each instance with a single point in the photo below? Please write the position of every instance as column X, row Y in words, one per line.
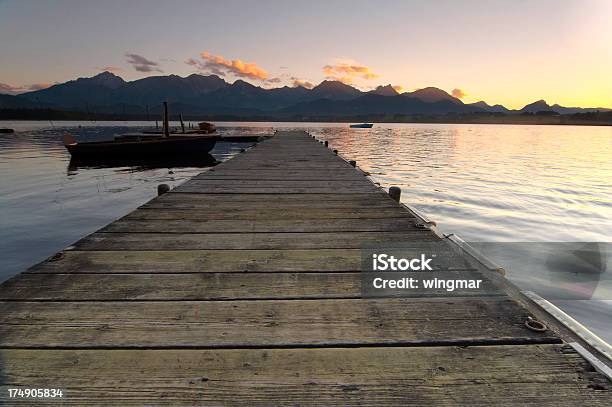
column 242, row 287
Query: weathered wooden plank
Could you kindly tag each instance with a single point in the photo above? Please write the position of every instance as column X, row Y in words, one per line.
column 408, row 376
column 203, row 261
column 268, row 213
column 296, row 189
column 210, row 261
column 272, row 323
column 361, row 198
column 246, row 241
column 207, row 286
column 255, row 174
column 289, row 167
column 256, row 205
column 315, row 183
column 275, row 155
column 271, row 201
column 257, row 163
column 270, row 163
column 260, row 226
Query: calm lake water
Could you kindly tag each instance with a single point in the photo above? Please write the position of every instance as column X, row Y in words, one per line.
column 485, row 183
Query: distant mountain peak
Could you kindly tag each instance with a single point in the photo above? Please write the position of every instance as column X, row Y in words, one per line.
column 538, row 105
column 488, row 108
column 387, row 90
column 107, row 79
column 481, row 103
column 243, row 84
column 105, row 74
column 336, row 85
column 335, row 90
column 432, row 94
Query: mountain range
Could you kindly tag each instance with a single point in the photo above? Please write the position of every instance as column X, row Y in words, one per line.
column 212, row 95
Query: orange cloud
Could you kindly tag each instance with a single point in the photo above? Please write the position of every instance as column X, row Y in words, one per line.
column 303, row 83
column 220, row 66
column 458, row 93
column 345, row 72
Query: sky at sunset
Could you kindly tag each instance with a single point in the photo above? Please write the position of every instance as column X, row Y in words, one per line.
column 508, row 52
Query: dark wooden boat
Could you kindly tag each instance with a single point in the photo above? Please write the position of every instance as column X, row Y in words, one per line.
column 134, row 146
column 142, row 145
column 7, row 131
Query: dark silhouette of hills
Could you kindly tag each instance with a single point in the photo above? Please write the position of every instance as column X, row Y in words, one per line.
column 334, row 90
column 387, row 90
column 17, row 102
column 376, row 104
column 96, row 90
column 488, row 108
column 431, row 95
column 211, row 95
column 541, row 106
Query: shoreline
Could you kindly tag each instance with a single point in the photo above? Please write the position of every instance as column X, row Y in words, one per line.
column 341, row 121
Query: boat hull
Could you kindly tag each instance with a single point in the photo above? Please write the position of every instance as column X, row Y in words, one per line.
column 362, row 126
column 162, row 147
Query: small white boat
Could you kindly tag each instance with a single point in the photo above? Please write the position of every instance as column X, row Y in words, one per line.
column 362, row 126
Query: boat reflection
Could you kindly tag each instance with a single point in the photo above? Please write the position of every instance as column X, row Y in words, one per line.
column 142, row 164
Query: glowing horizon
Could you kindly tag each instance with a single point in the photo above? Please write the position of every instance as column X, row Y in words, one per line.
column 509, row 53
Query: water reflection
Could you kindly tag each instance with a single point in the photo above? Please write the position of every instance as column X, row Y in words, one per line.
column 556, row 271
column 140, row 164
column 494, row 182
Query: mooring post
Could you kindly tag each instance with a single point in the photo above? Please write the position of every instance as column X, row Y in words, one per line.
column 395, row 193
column 182, row 124
column 162, row 189
column 326, row 143
column 353, row 163
column 156, row 125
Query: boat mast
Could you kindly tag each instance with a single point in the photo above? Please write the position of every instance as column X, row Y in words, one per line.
column 166, row 125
